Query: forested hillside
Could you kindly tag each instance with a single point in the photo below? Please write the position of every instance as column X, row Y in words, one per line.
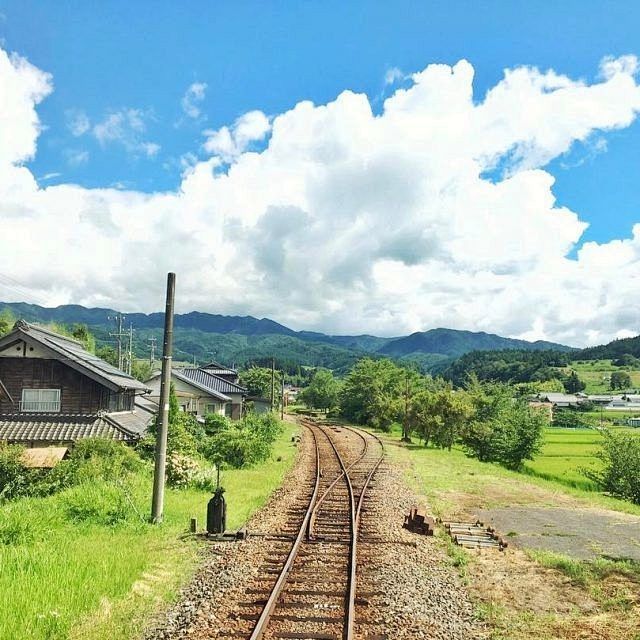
column 241, row 340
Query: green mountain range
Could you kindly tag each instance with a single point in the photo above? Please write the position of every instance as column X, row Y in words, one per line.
column 240, row 340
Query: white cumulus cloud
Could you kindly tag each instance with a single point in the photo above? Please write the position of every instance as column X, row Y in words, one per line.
column 230, row 142
column 332, row 217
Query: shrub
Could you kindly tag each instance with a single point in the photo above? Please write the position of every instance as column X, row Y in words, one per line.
column 620, row 472
column 15, row 478
column 214, row 423
column 243, row 443
column 98, row 459
column 181, row 470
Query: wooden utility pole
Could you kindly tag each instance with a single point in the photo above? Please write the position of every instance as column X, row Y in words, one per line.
column 130, row 364
column 282, row 399
column 118, row 335
column 406, row 437
column 157, row 504
column 273, row 383
column 152, row 357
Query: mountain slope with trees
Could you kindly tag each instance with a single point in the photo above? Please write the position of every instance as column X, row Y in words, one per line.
column 243, row 340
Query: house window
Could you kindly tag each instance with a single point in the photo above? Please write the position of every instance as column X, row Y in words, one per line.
column 40, row 400
column 211, row 408
column 228, row 410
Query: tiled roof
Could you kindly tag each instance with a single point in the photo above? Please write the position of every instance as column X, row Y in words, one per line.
column 55, row 427
column 178, row 373
column 72, row 353
column 207, row 379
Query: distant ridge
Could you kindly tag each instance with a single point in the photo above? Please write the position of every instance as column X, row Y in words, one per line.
column 454, row 343
column 242, row 339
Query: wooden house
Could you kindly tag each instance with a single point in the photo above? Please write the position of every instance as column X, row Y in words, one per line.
column 53, row 391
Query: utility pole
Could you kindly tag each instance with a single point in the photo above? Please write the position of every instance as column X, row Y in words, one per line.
column 152, row 343
column 282, row 399
column 157, row 504
column 273, row 383
column 405, row 426
column 118, row 336
column 130, row 363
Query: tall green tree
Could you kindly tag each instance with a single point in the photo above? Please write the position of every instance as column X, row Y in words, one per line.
column 620, row 380
column 257, row 380
column 503, row 429
column 372, row 393
column 573, row 384
column 322, row 392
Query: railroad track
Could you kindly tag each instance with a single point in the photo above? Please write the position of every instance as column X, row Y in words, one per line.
column 306, row 588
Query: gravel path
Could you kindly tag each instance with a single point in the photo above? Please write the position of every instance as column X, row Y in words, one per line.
column 406, row 589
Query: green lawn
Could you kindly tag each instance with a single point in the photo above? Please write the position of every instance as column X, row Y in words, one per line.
column 90, row 581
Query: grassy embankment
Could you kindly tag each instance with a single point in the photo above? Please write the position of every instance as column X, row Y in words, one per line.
column 525, row 595
column 65, row 572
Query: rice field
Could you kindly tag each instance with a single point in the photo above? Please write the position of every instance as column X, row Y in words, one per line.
column 564, row 453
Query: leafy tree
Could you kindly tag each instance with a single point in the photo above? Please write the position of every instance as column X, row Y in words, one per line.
column 503, row 429
column 108, row 354
column 7, row 320
column 626, row 360
column 573, row 384
column 620, row 380
column 438, row 416
column 184, row 434
column 81, row 333
column 619, row 474
column 141, row 370
column 571, row 419
column 257, row 380
column 372, row 393
column 322, row 392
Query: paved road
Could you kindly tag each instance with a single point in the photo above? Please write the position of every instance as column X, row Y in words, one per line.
column 581, row 533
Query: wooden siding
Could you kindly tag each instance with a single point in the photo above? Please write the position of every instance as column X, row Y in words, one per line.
column 78, row 393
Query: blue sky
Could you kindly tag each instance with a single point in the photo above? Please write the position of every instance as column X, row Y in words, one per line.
column 325, row 164
column 270, row 55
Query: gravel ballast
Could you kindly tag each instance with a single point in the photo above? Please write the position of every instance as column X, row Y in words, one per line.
column 406, row 587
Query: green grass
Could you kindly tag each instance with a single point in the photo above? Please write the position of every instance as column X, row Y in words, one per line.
column 86, row 580
column 453, row 482
column 565, row 452
column 596, row 374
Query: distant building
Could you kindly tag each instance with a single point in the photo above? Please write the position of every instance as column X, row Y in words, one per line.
column 200, row 391
column 561, row 400
column 53, row 391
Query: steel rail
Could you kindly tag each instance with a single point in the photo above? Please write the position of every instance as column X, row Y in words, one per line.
column 345, row 470
column 353, row 559
column 270, row 605
column 347, row 631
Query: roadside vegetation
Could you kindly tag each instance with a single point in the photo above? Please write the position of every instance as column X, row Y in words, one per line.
column 79, row 558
